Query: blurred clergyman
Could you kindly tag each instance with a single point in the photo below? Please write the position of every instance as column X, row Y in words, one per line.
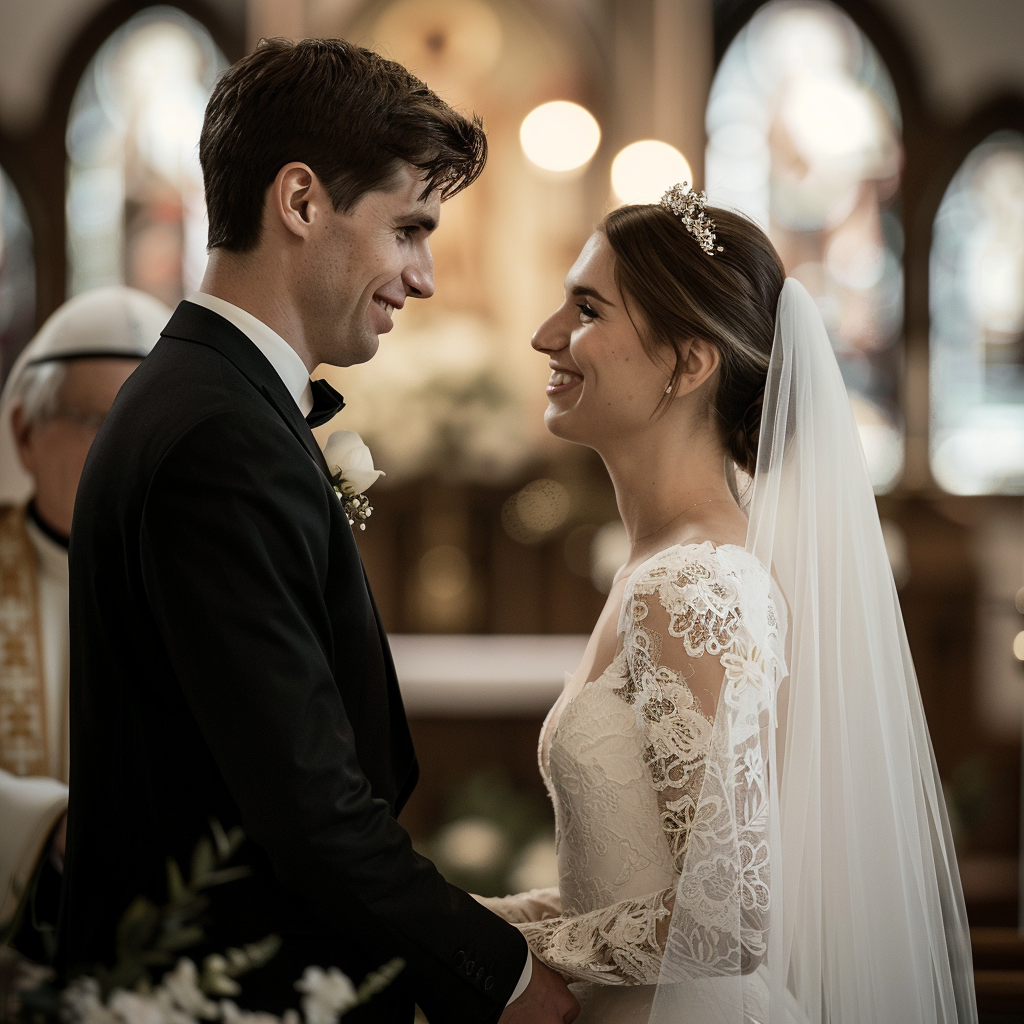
column 54, row 401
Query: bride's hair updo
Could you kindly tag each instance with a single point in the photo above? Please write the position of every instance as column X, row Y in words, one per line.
column 728, row 299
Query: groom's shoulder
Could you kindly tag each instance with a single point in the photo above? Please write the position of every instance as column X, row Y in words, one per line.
column 182, row 382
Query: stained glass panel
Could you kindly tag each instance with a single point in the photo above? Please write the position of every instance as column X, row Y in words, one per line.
column 17, row 275
column 977, row 323
column 804, row 136
column 135, row 208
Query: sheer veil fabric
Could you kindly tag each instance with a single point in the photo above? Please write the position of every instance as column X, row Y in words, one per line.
column 827, row 789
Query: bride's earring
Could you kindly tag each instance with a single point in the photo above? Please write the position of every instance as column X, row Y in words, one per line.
column 668, row 388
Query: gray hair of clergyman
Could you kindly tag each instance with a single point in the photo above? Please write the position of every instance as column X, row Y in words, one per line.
column 38, row 390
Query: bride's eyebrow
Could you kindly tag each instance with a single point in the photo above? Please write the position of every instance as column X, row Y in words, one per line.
column 581, row 290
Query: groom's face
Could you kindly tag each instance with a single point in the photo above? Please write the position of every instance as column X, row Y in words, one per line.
column 366, row 263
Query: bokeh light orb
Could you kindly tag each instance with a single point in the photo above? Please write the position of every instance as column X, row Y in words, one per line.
column 644, row 171
column 559, row 136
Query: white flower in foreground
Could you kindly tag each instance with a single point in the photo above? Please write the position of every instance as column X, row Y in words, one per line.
column 231, row 1014
column 181, row 987
column 348, row 456
column 328, row 994
column 134, row 1008
column 82, row 1003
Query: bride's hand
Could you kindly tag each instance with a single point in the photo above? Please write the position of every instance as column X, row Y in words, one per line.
column 547, row 1000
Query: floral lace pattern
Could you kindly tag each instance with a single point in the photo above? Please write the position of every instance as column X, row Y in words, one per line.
column 661, row 806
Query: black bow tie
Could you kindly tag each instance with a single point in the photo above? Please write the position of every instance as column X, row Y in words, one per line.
column 327, row 403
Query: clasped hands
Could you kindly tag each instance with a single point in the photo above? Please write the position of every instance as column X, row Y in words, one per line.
column 547, row 1000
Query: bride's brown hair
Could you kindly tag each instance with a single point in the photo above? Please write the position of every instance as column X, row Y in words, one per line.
column 728, row 299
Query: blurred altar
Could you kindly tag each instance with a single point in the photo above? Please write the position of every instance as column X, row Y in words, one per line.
column 881, row 144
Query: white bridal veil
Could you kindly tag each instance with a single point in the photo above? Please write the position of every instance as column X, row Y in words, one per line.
column 866, row 922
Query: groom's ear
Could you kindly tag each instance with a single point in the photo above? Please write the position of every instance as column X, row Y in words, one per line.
column 293, row 198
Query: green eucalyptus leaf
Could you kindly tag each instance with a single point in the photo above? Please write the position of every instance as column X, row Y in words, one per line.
column 181, row 938
column 176, row 892
column 235, row 839
column 202, row 861
column 137, row 925
column 156, row 958
column 379, row 979
column 262, row 952
column 220, row 839
column 223, row 876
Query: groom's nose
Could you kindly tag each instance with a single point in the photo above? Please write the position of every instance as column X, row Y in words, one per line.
column 418, row 280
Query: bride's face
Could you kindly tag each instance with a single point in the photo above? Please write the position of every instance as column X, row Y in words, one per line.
column 603, row 384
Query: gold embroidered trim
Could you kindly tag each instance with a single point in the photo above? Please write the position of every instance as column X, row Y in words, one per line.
column 23, row 742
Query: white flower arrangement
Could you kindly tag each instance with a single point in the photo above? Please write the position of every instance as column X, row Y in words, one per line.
column 150, row 935
column 351, row 465
column 179, row 999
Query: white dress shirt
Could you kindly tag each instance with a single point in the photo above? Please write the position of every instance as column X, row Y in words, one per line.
column 281, row 356
column 293, row 373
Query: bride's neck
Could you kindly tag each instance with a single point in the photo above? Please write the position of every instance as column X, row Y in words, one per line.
column 666, row 483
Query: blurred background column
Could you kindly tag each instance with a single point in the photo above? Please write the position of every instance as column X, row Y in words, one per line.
column 683, row 57
column 663, row 58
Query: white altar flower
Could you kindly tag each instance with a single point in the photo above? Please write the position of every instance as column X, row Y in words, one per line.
column 348, row 458
column 328, row 994
column 473, row 844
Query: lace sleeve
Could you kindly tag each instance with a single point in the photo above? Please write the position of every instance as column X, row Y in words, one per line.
column 535, row 905
column 683, row 640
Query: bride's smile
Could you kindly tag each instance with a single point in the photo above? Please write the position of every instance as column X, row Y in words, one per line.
column 603, row 384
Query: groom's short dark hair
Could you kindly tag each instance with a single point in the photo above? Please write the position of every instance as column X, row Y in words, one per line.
column 353, row 116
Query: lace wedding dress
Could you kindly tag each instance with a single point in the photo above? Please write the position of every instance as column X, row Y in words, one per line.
column 642, row 784
column 751, row 828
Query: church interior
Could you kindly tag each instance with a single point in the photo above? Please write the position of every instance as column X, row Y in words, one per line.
column 881, row 145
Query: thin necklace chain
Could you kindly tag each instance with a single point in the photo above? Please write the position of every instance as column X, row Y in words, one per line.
column 679, row 515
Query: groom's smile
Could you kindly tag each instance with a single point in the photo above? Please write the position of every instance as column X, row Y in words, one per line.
column 382, row 248
column 385, row 306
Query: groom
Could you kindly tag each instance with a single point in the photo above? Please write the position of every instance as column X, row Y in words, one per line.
column 228, row 661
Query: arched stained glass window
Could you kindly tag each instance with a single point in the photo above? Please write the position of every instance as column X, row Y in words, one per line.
column 977, row 323
column 804, row 136
column 135, row 208
column 17, row 275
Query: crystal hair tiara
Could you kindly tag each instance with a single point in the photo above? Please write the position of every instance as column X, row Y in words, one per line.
column 687, row 205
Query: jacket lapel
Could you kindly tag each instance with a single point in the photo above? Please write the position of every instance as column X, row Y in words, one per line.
column 202, row 326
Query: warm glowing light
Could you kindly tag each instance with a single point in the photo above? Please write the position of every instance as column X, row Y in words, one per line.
column 1018, row 646
column 644, row 171
column 559, row 136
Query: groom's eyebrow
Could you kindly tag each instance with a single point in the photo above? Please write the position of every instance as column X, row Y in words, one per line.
column 582, row 289
column 421, row 220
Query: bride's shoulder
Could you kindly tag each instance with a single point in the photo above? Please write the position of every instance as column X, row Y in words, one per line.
column 694, row 561
column 712, row 591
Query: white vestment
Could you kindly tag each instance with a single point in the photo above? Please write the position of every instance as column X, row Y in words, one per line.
column 115, row 322
column 33, row 704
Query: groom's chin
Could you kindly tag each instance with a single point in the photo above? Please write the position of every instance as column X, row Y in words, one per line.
column 353, row 354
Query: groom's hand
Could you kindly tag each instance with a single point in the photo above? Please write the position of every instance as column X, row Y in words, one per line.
column 547, row 1000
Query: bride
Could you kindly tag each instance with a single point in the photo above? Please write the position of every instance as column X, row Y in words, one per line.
column 749, row 820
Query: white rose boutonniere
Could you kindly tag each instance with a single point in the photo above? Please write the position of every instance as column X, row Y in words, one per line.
column 352, row 473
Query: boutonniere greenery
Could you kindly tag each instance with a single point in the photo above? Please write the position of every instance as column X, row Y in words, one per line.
column 352, row 473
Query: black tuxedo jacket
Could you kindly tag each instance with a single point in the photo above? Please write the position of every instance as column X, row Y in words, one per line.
column 227, row 661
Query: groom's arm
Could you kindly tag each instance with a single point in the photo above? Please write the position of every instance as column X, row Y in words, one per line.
column 234, row 548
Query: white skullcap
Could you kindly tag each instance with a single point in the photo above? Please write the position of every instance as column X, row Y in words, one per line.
column 105, row 322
